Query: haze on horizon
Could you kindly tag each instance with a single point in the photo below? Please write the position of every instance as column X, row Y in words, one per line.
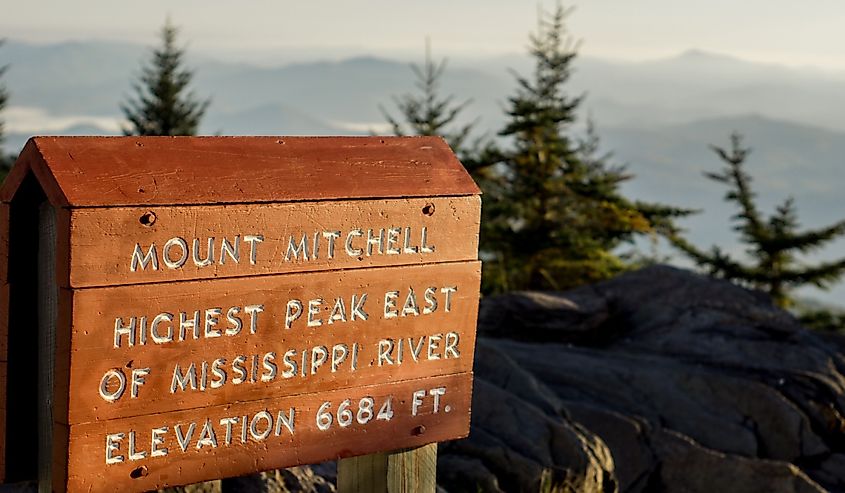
column 273, row 31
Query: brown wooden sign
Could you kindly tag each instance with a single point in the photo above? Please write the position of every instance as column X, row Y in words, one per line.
column 211, row 307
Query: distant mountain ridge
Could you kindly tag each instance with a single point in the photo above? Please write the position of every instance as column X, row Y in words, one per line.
column 94, row 77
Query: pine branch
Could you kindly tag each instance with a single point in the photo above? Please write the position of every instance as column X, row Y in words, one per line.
column 772, row 244
column 806, row 241
column 821, row 275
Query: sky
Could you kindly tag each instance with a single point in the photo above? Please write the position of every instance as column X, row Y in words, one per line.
column 787, row 32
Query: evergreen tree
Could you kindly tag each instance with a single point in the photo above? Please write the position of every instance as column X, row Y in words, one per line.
column 4, row 96
column 773, row 244
column 162, row 105
column 5, row 160
column 428, row 113
column 557, row 214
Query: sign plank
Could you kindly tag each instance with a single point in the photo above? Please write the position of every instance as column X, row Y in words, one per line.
column 3, row 367
column 149, row 349
column 140, row 245
column 153, row 451
column 4, row 322
column 4, row 242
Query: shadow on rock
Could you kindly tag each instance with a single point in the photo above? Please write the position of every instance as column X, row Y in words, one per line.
column 658, row 380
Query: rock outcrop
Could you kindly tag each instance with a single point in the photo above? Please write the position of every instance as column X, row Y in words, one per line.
column 658, row 380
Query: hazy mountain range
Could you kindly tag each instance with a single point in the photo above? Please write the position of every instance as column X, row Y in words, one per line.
column 657, row 116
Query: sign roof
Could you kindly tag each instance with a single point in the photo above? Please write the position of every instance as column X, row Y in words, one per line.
column 137, row 171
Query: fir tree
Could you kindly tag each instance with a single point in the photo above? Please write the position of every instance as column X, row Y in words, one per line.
column 429, row 113
column 163, row 104
column 557, row 214
column 773, row 243
column 5, row 161
column 4, row 96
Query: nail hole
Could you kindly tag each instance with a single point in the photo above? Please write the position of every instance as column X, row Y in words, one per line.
column 138, row 144
column 148, row 219
column 428, row 209
column 138, row 472
column 280, row 141
column 140, row 190
column 419, row 430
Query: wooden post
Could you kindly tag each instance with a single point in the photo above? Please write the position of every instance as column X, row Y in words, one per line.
column 400, row 471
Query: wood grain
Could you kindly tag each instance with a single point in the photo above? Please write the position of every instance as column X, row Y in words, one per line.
column 3, row 404
column 402, row 471
column 4, row 286
column 4, row 330
column 4, row 325
column 364, row 473
column 47, row 317
column 95, row 310
column 4, row 242
column 307, row 445
column 129, row 171
column 60, row 455
column 412, row 470
column 63, row 262
column 61, row 378
column 103, row 241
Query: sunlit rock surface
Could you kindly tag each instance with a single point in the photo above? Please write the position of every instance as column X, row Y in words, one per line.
column 659, row 380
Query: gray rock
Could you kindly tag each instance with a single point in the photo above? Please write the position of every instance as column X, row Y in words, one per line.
column 689, row 384
column 318, row 478
column 520, row 428
column 205, row 487
column 686, row 466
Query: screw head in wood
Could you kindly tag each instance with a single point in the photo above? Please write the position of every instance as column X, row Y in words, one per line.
column 148, row 218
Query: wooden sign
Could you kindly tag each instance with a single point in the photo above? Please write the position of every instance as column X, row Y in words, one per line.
column 175, row 310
